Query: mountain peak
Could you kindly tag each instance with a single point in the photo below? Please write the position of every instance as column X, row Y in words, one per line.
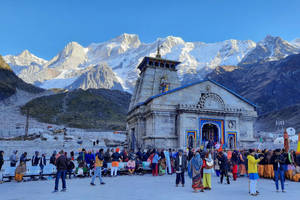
column 25, row 53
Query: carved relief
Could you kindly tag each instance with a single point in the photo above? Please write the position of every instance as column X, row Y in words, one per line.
column 232, row 124
column 211, row 101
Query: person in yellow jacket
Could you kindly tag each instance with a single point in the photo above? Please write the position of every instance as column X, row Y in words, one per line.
column 98, row 167
column 252, row 171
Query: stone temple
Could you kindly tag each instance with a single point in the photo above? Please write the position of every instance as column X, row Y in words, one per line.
column 165, row 114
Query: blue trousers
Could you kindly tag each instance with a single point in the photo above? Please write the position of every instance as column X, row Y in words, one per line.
column 60, row 174
column 279, row 174
column 97, row 172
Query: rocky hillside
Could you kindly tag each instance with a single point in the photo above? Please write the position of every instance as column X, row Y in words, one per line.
column 271, row 85
column 99, row 76
column 93, row 108
column 9, row 82
column 290, row 115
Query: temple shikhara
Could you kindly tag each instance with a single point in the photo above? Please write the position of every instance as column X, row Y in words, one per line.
column 165, row 114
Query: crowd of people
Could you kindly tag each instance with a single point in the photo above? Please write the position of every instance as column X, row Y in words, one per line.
column 199, row 164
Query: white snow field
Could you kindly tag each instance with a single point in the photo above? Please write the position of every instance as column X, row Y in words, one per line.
column 143, row 188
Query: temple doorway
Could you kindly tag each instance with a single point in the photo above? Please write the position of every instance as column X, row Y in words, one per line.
column 191, row 142
column 210, row 132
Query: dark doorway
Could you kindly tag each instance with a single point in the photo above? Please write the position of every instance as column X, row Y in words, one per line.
column 210, row 132
column 191, row 141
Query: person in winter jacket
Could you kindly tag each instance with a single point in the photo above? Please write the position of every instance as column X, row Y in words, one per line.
column 43, row 163
column 180, row 166
column 278, row 161
column 13, row 159
column 35, row 159
column 224, row 166
column 252, row 171
column 116, row 158
column 61, row 166
column 70, row 167
column 208, row 165
column 24, row 158
column 53, row 158
column 98, row 167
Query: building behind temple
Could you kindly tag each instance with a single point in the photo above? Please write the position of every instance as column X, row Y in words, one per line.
column 164, row 114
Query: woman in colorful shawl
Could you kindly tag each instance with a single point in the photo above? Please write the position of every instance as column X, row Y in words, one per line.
column 196, row 165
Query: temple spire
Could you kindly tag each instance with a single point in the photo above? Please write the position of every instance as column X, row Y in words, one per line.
column 158, row 50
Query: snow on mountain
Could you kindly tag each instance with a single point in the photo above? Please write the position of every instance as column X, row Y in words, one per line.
column 269, row 49
column 124, row 53
column 296, row 42
column 99, row 76
column 24, row 61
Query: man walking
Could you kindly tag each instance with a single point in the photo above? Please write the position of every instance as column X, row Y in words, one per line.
column 98, row 167
column 180, row 166
column 61, row 166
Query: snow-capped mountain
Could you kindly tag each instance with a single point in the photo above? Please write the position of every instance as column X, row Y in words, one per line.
column 99, row 76
column 123, row 53
column 270, row 49
column 25, row 63
column 296, row 42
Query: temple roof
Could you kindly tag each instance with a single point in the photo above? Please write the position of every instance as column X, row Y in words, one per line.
column 157, row 62
column 191, row 84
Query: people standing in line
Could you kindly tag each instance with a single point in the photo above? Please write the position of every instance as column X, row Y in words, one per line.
column 155, row 160
column 116, row 158
column 224, row 166
column 43, row 163
column 53, row 158
column 61, row 166
column 208, row 165
column 24, row 158
column 252, row 171
column 180, row 166
column 13, row 159
column 195, row 167
column 35, row 159
column 98, row 167
column 278, row 161
column 1, row 159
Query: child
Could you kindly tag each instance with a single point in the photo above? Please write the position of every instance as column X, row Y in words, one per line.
column 131, row 166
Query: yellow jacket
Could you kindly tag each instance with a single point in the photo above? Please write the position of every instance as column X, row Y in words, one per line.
column 252, row 164
column 98, row 162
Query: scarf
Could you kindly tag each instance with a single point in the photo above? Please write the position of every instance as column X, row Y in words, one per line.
column 197, row 162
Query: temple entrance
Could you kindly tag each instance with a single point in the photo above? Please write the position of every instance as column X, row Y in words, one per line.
column 210, row 132
column 232, row 140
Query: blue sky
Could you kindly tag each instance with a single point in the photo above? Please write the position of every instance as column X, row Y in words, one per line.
column 45, row 27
